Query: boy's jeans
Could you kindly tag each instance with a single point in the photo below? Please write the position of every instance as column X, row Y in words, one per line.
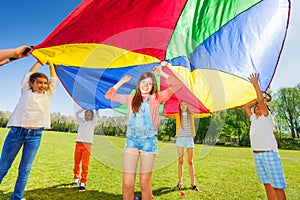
column 15, row 139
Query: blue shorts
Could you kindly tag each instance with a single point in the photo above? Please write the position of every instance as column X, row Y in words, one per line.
column 269, row 169
column 143, row 144
column 185, row 141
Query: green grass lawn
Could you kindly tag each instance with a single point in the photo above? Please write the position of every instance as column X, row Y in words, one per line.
column 221, row 172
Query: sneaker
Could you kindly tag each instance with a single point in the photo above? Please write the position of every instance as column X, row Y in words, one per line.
column 82, row 187
column 196, row 188
column 75, row 184
column 178, row 186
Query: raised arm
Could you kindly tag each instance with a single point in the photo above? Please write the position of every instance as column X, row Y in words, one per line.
column 35, row 67
column 173, row 85
column 52, row 70
column 160, row 72
column 77, row 114
column 253, row 78
column 112, row 95
column 248, row 107
column 124, row 80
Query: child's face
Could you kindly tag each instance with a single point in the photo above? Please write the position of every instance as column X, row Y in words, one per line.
column 146, row 86
column 257, row 110
column 183, row 106
column 40, row 85
column 88, row 116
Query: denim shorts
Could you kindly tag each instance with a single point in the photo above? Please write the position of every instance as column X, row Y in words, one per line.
column 143, row 144
column 269, row 169
column 185, row 141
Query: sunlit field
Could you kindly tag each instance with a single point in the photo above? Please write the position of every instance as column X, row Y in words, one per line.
column 221, row 172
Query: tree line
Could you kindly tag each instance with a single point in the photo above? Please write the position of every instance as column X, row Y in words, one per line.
column 229, row 127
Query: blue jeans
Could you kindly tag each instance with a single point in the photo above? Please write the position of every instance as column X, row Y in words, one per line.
column 15, row 139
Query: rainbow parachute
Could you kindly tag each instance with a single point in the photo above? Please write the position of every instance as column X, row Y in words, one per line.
column 212, row 46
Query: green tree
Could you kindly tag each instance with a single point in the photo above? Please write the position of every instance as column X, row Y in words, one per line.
column 211, row 128
column 201, row 127
column 168, row 129
column 286, row 106
column 4, row 117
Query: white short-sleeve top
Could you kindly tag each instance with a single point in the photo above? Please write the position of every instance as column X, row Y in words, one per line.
column 33, row 109
column 261, row 133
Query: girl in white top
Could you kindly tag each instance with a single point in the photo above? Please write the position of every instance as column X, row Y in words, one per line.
column 30, row 117
column 84, row 143
column 264, row 145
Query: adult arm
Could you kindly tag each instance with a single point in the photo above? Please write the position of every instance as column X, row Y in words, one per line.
column 16, row 53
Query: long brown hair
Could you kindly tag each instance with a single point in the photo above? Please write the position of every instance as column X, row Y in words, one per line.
column 189, row 113
column 138, row 99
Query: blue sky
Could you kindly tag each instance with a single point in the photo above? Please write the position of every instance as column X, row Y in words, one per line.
column 30, row 22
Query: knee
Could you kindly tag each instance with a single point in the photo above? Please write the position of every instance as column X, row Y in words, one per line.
column 128, row 185
column 180, row 161
column 190, row 162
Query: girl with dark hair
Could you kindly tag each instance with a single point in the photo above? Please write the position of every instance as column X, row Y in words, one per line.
column 30, row 117
column 142, row 122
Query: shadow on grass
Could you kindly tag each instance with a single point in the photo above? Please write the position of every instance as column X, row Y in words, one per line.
column 63, row 192
column 157, row 192
column 67, row 192
column 162, row 191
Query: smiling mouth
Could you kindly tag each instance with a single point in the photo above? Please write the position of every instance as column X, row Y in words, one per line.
column 42, row 90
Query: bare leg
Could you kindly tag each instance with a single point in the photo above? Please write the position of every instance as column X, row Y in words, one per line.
column 280, row 193
column 146, row 167
column 131, row 157
column 190, row 154
column 180, row 151
column 270, row 192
